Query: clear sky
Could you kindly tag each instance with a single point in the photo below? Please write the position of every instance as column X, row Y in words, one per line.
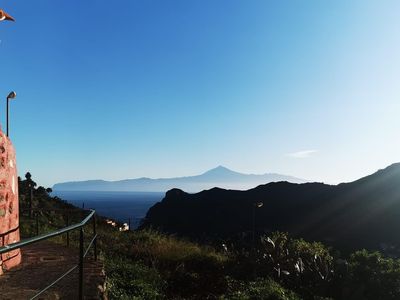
column 124, row 89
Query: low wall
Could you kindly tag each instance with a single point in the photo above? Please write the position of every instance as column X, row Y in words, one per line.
column 9, row 210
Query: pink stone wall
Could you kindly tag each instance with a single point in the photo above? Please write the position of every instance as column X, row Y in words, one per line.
column 9, row 211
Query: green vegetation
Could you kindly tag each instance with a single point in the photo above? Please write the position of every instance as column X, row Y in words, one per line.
column 371, row 276
column 147, row 264
column 265, row 289
column 133, row 280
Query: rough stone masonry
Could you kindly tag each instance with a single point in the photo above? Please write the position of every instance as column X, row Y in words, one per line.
column 9, row 210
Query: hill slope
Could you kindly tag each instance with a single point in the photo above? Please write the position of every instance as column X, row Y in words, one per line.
column 362, row 213
column 219, row 176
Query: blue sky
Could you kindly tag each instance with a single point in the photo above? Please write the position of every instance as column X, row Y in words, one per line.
column 124, row 89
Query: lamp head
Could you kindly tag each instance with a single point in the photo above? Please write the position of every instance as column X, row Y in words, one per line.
column 12, row 95
column 259, row 204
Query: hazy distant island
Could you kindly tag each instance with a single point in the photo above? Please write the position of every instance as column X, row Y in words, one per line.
column 220, row 176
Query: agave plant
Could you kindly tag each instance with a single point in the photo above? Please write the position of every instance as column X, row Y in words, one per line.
column 277, row 254
column 296, row 258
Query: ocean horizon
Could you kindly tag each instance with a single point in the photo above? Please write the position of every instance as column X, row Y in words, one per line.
column 120, row 206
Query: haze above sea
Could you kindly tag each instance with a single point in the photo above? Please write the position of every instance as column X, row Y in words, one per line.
column 116, row 205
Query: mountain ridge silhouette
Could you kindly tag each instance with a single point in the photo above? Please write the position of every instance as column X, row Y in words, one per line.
column 358, row 214
column 219, row 176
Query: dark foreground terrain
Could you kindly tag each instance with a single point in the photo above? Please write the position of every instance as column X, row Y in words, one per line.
column 147, row 264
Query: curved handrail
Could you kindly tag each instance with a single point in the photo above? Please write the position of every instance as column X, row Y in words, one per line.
column 42, row 237
column 82, row 253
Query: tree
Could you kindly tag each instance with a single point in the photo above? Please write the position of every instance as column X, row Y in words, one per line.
column 29, row 180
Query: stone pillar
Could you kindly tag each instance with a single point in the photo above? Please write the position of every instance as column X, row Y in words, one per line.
column 9, row 210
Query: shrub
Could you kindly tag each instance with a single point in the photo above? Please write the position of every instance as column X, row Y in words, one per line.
column 369, row 276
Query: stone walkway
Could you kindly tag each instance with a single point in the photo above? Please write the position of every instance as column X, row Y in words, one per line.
column 44, row 262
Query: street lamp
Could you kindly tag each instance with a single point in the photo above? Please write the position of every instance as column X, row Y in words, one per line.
column 255, row 206
column 11, row 95
column 5, row 16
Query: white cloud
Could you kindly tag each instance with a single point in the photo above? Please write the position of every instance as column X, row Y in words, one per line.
column 302, row 154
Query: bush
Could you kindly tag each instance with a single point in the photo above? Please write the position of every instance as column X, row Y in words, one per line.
column 369, row 276
column 304, row 267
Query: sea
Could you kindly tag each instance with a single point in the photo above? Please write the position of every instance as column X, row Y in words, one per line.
column 120, row 206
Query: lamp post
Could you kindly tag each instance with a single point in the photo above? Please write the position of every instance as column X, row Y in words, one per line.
column 255, row 206
column 11, row 95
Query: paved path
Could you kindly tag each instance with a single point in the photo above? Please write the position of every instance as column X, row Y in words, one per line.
column 44, row 262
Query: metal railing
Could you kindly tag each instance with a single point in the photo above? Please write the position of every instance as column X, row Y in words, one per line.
column 82, row 252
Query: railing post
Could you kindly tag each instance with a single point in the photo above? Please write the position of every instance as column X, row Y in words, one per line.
column 67, row 224
column 81, row 264
column 37, row 223
column 95, row 239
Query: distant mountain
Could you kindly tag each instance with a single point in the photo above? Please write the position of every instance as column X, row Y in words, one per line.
column 363, row 213
column 219, row 176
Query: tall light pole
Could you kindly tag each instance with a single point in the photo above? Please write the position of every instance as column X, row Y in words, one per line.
column 255, row 206
column 11, row 95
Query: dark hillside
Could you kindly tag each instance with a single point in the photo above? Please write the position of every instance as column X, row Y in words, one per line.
column 359, row 214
